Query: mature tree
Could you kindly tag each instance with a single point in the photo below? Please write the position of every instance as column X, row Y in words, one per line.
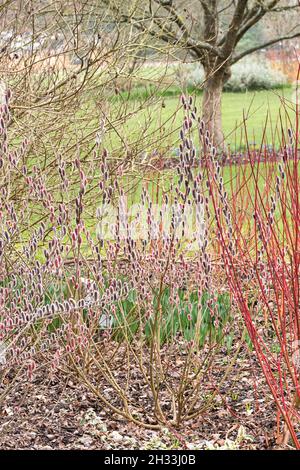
column 211, row 32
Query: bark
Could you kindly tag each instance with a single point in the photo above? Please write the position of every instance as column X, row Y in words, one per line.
column 212, row 104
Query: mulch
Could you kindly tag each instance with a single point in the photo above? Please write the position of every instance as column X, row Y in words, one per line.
column 60, row 413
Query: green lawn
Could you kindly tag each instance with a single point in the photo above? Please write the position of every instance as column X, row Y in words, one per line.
column 157, row 122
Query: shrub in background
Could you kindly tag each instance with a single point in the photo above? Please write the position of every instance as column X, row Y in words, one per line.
column 246, row 75
column 254, row 75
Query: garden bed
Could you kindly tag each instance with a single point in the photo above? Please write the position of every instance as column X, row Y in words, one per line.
column 59, row 413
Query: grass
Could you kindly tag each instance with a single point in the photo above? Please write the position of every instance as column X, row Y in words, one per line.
column 163, row 114
column 143, row 114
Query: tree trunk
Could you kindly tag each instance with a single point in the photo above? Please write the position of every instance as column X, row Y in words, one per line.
column 212, row 104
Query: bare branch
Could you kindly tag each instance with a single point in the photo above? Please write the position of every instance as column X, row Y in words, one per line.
column 231, row 36
column 238, row 57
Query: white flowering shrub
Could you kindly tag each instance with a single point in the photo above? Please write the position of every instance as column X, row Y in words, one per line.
column 248, row 74
column 254, row 75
